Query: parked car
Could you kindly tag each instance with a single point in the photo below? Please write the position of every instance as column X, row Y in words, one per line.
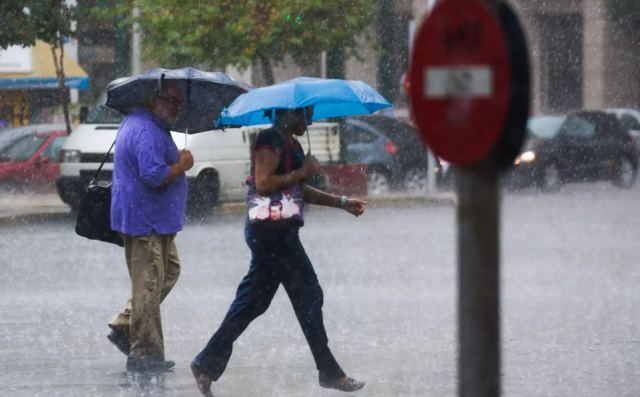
column 539, row 129
column 33, row 158
column 630, row 120
column 526, row 170
column 588, row 146
column 10, row 135
column 391, row 149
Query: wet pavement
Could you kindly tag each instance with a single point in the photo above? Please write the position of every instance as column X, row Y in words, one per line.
column 16, row 203
column 570, row 303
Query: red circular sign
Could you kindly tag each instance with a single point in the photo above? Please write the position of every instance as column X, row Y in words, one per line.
column 459, row 78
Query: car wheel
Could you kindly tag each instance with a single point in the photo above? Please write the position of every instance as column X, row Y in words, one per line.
column 626, row 174
column 204, row 197
column 416, row 180
column 550, row 179
column 377, row 183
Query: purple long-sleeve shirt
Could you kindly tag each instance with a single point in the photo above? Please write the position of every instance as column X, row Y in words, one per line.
column 144, row 152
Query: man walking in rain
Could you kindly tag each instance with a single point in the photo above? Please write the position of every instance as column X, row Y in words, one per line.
column 149, row 196
column 277, row 256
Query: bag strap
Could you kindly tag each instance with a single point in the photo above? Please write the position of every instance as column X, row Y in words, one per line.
column 288, row 159
column 104, row 159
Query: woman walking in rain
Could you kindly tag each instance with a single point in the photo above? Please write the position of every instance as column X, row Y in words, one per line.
column 277, row 192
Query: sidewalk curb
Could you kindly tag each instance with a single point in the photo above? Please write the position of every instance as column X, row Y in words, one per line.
column 439, row 200
column 16, row 214
column 433, row 200
column 22, row 217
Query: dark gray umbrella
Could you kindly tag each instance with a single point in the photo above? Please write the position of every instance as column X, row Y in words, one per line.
column 206, row 94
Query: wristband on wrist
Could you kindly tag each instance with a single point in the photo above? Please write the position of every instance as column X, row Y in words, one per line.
column 343, row 201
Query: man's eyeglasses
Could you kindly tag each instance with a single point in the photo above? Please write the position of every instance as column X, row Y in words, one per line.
column 174, row 101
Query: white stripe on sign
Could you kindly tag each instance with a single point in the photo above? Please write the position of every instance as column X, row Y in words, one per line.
column 458, row 81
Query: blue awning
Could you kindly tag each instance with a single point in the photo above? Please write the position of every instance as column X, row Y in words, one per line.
column 41, row 73
column 34, row 83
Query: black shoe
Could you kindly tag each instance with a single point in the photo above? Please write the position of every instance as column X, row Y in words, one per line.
column 145, row 364
column 343, row 384
column 203, row 381
column 120, row 339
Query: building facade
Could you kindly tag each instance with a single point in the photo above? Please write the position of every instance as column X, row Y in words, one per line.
column 580, row 58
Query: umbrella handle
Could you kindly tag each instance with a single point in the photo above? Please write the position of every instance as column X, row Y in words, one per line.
column 306, row 128
column 159, row 85
column 186, row 132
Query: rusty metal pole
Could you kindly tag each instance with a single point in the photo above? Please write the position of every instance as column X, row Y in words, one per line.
column 478, row 218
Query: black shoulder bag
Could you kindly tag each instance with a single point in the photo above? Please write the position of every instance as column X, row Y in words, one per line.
column 94, row 215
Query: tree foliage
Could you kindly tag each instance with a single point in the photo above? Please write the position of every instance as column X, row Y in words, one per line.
column 25, row 21
column 232, row 32
column 51, row 21
column 17, row 27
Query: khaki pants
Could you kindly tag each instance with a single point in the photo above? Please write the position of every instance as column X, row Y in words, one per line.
column 154, row 268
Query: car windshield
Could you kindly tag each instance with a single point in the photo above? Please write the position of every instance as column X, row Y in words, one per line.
column 23, row 149
column 101, row 114
column 578, row 127
column 544, row 127
column 10, row 136
column 52, row 151
column 394, row 129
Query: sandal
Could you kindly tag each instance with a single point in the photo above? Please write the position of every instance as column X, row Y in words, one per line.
column 346, row 384
column 203, row 381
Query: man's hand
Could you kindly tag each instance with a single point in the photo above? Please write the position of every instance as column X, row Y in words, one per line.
column 185, row 162
column 186, row 159
column 355, row 206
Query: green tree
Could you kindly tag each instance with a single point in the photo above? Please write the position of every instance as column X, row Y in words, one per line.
column 51, row 21
column 232, row 32
column 18, row 27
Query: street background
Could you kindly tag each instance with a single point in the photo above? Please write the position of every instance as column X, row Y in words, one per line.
column 570, row 258
column 569, row 302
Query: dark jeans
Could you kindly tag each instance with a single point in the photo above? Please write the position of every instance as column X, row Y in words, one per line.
column 277, row 256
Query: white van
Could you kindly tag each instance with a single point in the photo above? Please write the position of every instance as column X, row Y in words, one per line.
column 222, row 157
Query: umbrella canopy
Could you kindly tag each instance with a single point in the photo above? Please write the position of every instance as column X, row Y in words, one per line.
column 206, row 94
column 329, row 97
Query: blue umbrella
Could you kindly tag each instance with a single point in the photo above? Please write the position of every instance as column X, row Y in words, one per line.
column 329, row 98
column 206, row 94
